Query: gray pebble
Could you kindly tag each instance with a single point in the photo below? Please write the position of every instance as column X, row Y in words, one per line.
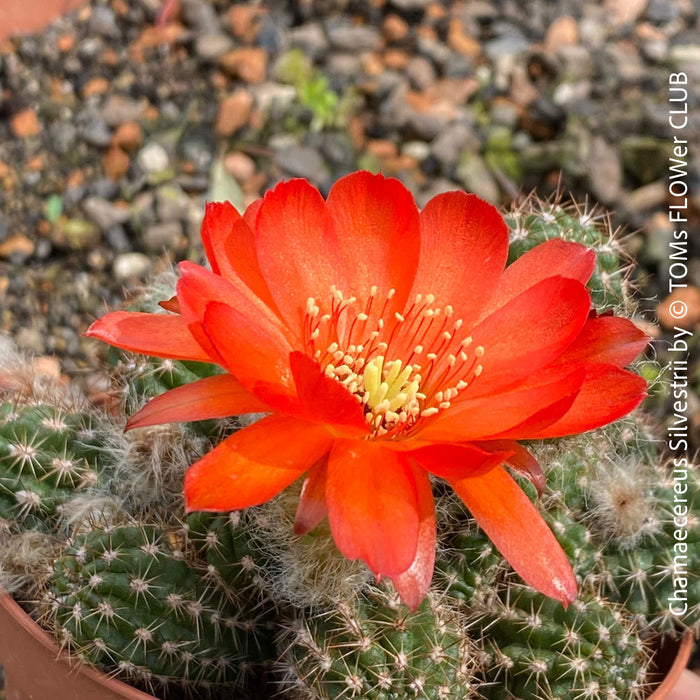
column 153, row 158
column 104, row 213
column 300, row 161
column 104, row 22
column 310, row 38
column 452, row 140
column 131, row 266
column 163, row 235
column 210, row 46
column 357, row 39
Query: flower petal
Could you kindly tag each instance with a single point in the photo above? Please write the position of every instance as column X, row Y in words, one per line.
column 159, row 335
column 608, row 393
column 257, row 354
column 373, row 505
column 324, row 399
column 528, row 333
column 378, row 233
column 606, row 340
column 518, row 531
column 254, row 464
column 230, row 248
column 520, row 460
column 453, row 461
column 413, row 584
column 211, row 397
column 492, row 416
column 297, row 249
column 552, row 258
column 464, row 247
column 312, row 507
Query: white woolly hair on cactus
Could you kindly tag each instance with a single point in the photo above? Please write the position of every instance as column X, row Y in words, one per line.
column 25, row 561
column 306, row 570
column 90, row 511
column 622, row 503
column 152, row 462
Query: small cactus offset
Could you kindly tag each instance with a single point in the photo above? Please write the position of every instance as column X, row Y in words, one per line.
column 48, row 455
column 374, row 648
column 534, row 221
column 129, row 601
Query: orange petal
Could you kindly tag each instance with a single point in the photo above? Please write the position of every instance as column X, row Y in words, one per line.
column 528, row 333
column 312, row 507
column 324, row 399
column 255, row 353
column 211, row 397
column 608, row 393
column 520, row 460
column 149, row 334
column 413, row 584
column 230, row 248
column 518, row 531
column 492, row 416
column 464, row 247
column 297, row 249
column 254, row 464
column 606, row 340
column 378, row 232
column 552, row 258
column 453, row 461
column 373, row 508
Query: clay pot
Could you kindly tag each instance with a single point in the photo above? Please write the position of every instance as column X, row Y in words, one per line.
column 670, row 659
column 35, row 669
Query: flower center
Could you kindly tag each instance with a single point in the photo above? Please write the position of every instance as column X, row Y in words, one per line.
column 400, row 367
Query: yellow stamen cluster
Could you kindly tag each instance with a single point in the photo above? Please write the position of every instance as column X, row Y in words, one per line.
column 359, row 348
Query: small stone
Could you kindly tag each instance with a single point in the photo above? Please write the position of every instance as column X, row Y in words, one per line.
column 172, row 204
column 562, row 32
column 104, row 213
column 128, row 266
column 420, row 72
column 209, row 47
column 94, row 129
column 310, row 38
column 115, row 163
column 153, row 158
column 394, row 28
column 452, row 141
column 16, row 248
column 681, row 308
column 460, row 41
column 25, row 124
column 76, row 234
column 244, row 21
column 300, row 161
column 248, row 64
column 104, row 22
column 200, row 15
column 127, row 136
column 624, row 11
column 605, row 170
column 477, row 178
column 234, row 112
column 95, row 86
column 164, row 235
column 353, row 38
column 239, row 165
column 118, row 109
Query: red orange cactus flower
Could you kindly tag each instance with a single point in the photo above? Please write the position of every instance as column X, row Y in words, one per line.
column 388, row 344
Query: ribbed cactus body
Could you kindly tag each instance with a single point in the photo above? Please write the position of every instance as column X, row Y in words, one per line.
column 374, row 649
column 537, row 649
column 130, row 602
column 536, row 221
column 47, row 455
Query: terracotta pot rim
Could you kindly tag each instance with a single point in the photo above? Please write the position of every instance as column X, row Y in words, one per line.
column 41, row 637
column 685, row 647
